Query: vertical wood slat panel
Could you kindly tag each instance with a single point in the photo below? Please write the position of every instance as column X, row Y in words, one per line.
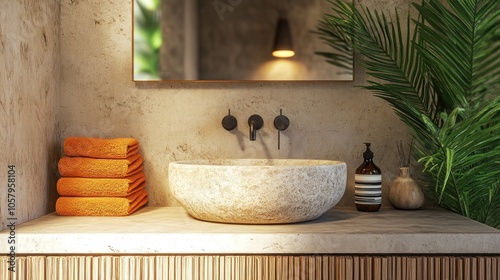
column 35, row 267
column 460, row 269
column 56, row 267
column 253, row 267
column 4, row 269
column 474, row 268
column 136, row 267
column 23, row 269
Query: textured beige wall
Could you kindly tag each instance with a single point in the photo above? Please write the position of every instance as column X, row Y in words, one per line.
column 178, row 121
column 29, row 104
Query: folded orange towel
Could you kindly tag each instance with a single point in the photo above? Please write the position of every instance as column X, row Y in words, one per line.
column 94, row 187
column 101, row 206
column 100, row 147
column 99, row 168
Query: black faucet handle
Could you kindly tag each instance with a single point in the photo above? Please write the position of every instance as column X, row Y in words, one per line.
column 281, row 122
column 229, row 122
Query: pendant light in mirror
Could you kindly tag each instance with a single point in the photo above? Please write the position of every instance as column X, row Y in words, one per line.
column 283, row 47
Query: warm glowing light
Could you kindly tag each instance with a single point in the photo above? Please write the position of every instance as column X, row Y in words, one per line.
column 280, row 70
column 283, row 53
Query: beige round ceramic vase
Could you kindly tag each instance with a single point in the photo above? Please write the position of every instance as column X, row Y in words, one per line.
column 404, row 193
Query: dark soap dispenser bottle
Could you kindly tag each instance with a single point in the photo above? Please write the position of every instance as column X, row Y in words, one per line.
column 368, row 184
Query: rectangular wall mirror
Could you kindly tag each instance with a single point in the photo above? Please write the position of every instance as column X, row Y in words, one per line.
column 230, row 40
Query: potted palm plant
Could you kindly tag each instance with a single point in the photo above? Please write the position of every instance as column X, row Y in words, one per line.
column 440, row 71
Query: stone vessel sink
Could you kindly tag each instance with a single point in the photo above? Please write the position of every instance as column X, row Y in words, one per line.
column 257, row 191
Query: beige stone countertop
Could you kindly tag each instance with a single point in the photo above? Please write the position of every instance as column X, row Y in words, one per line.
column 170, row 230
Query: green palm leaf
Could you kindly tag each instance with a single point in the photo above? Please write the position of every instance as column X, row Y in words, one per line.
column 460, row 40
column 336, row 39
column 464, row 162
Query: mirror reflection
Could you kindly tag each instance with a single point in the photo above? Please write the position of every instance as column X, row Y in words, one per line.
column 230, row 40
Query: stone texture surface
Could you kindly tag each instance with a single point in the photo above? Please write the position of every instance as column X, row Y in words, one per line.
column 246, row 191
column 29, row 106
column 182, row 121
column 170, row 230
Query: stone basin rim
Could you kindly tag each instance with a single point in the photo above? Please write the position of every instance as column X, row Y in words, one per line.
column 259, row 163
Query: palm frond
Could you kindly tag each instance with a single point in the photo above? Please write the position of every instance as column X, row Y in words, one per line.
column 464, row 162
column 333, row 36
column 388, row 56
column 460, row 39
column 439, row 72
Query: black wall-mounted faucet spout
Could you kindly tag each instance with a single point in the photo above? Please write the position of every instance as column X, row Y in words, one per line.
column 255, row 122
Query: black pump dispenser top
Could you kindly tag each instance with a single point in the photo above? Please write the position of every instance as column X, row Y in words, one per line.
column 368, row 154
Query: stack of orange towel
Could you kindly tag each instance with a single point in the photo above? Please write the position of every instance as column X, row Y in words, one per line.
column 100, row 177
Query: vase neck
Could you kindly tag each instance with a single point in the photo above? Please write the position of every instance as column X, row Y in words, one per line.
column 404, row 171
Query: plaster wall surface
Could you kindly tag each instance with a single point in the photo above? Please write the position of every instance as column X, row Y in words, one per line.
column 182, row 120
column 29, row 106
